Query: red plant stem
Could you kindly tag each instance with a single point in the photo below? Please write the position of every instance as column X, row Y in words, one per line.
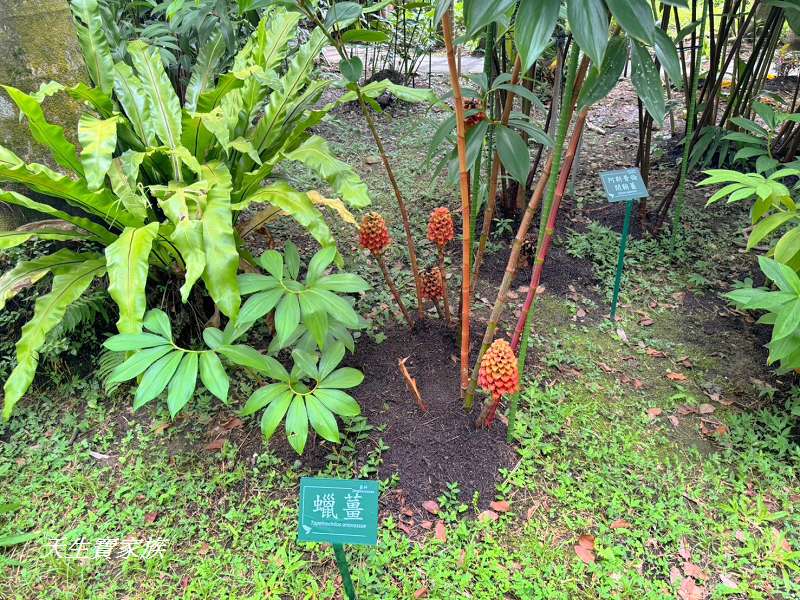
column 461, row 132
column 444, row 286
column 536, row 274
column 393, row 288
column 486, row 418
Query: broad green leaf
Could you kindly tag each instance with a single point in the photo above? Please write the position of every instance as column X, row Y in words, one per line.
column 513, row 152
column 352, row 68
column 315, row 154
column 647, row 82
column 182, row 385
column 784, row 277
column 272, row 261
column 668, row 56
column 157, row 321
column 343, row 378
column 259, row 305
column 342, row 14
column 26, row 273
column 297, row 424
column 338, row 402
column 291, row 256
column 273, row 415
column 128, row 265
column 376, row 88
column 263, row 396
column 586, row 19
column 213, row 375
column 599, row 83
column 164, row 106
column 98, row 139
column 635, row 17
column 306, row 362
column 315, row 321
column 49, row 135
column 156, row 378
column 535, row 22
column 767, row 226
column 138, row 363
column 12, row 239
column 330, row 359
column 93, row 97
column 44, row 180
column 787, row 321
column 205, row 69
column 222, row 255
column 365, row 35
column 287, row 316
column 69, row 283
column 251, row 358
column 213, row 337
column 127, row 342
column 318, row 263
column 322, row 420
column 188, row 239
column 480, row 13
column 130, row 93
column 345, row 283
column 788, row 246
column 337, row 307
column 91, row 36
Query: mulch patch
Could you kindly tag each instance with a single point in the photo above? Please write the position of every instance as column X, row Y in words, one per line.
column 428, row 450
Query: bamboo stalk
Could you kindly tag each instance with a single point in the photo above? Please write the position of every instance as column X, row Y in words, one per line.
column 393, row 288
column 491, row 199
column 547, row 239
column 447, row 29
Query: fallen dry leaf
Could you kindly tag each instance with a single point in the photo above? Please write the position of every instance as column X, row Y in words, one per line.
column 426, row 524
column 404, row 528
column 488, row 515
column 431, row 506
column 683, row 550
column 654, row 412
column 684, row 410
column 778, row 539
column 674, row 420
column 685, row 362
column 500, row 506
column 587, row 541
column 674, row 575
column 204, row 549
column 234, row 423
column 461, row 558
column 605, row 367
column 440, row 531
column 676, row 376
column 728, row 581
column 621, row 524
column 585, row 554
column 705, row 409
column 150, row 517
column 637, row 384
column 621, row 334
column 580, row 313
column 421, row 593
column 646, row 322
column 689, row 590
column 653, row 353
column 692, row 570
column 215, row 445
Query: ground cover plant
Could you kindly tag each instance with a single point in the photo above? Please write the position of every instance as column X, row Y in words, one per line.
column 654, row 456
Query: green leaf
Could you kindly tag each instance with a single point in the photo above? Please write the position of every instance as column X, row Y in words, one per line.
column 157, row 321
column 263, row 396
column 69, row 283
column 297, row 424
column 272, row 261
column 250, row 283
column 251, row 358
column 292, row 257
column 586, row 19
column 49, row 135
column 182, row 385
column 480, row 13
column 535, row 22
column 351, row 68
column 635, row 17
column 331, row 358
column 259, row 305
column 513, row 152
column 315, row 154
column 138, row 363
column 306, row 362
column 364, row 35
column 91, row 36
column 337, row 307
column 273, row 415
column 668, row 55
column 130, row 93
column 342, row 14
column 156, row 378
column 213, row 375
column 318, row 263
column 345, row 283
column 599, row 83
column 322, row 420
column 647, row 82
column 213, row 337
column 127, row 342
column 338, row 402
column 98, row 139
column 787, row 322
column 222, row 254
column 788, row 246
column 316, row 322
column 164, row 106
column 343, row 378
column 784, row 277
column 287, row 316
column 767, row 226
column 128, row 265
column 205, row 69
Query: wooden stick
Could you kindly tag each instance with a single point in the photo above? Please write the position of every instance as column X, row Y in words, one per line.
column 461, row 131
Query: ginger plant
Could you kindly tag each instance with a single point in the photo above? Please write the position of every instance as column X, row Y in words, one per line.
column 433, row 290
column 498, row 376
column 440, row 232
column 373, row 235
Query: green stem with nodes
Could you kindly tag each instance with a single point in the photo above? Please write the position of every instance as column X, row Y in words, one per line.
column 412, row 251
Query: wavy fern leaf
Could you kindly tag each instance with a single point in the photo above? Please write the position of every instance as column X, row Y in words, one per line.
column 96, row 52
column 98, row 138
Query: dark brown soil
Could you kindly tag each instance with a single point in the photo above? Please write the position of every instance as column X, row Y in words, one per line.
column 428, row 450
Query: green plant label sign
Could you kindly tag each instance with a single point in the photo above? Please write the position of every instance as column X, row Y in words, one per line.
column 625, row 184
column 339, row 511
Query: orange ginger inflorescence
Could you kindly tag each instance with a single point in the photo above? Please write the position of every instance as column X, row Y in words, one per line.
column 473, row 104
column 432, row 284
column 498, row 375
column 373, row 233
column 440, row 226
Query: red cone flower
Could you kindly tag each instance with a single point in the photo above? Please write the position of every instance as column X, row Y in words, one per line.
column 473, row 104
column 499, row 374
column 432, row 287
column 373, row 234
column 440, row 226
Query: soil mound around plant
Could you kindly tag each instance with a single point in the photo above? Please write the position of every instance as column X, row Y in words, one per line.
column 432, row 449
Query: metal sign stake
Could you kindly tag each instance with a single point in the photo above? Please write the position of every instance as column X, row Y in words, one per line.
column 341, row 562
column 623, row 243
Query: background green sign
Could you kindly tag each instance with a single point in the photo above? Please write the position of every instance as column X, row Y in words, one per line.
column 625, row 184
column 339, row 511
